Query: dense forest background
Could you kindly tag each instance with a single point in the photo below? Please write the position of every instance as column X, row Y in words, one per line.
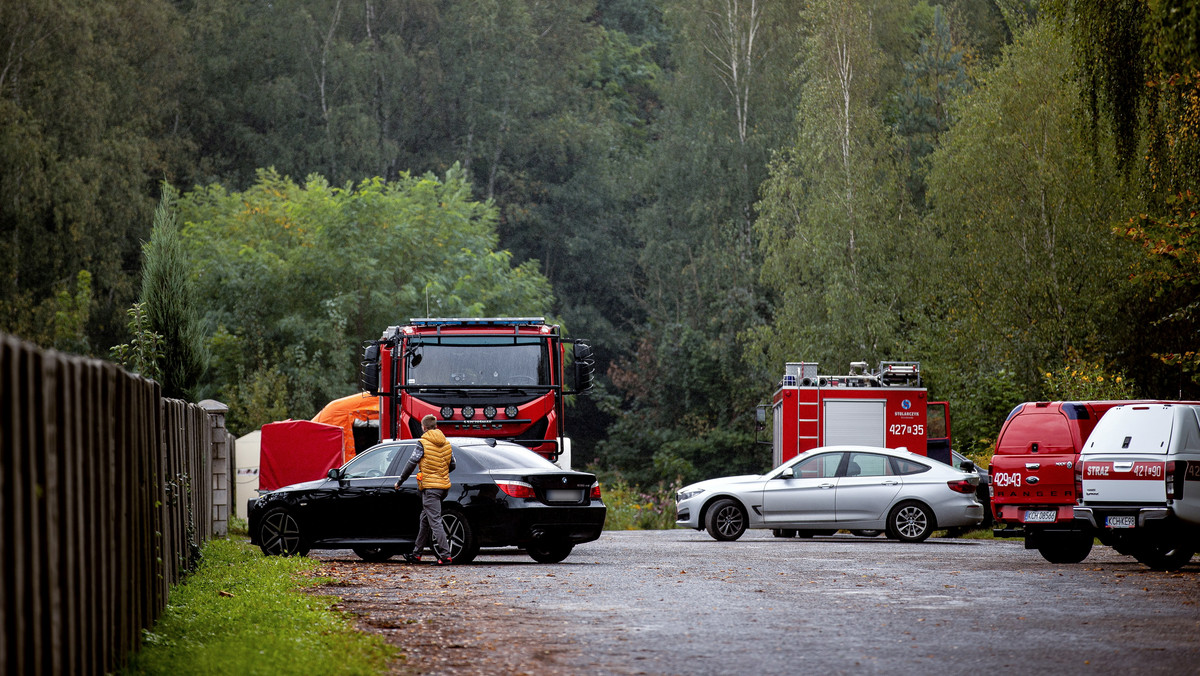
column 235, row 195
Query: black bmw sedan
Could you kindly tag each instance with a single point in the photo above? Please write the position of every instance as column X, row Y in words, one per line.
column 501, row 494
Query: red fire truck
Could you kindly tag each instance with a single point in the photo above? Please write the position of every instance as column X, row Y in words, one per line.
column 481, row 377
column 888, row 407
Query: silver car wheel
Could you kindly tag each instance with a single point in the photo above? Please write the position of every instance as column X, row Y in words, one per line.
column 910, row 522
column 729, row 521
column 725, row 520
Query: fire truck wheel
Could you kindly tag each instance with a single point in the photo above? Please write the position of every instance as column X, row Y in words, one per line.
column 868, row 533
column 1163, row 555
column 464, row 547
column 280, row 534
column 1064, row 547
column 783, row 533
column 910, row 522
column 725, row 520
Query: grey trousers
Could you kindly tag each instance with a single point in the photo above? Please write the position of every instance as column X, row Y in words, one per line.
column 431, row 519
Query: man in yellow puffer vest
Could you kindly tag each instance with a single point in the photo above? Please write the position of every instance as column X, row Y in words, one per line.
column 435, row 460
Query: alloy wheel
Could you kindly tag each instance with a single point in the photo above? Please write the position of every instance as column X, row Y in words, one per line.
column 280, row 534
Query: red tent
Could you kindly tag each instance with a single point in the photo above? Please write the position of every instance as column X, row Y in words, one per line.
column 297, row 450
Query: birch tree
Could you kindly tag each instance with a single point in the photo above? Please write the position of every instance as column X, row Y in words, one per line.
column 733, row 26
column 833, row 220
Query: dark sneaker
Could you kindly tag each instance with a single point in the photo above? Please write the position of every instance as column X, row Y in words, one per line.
column 443, row 561
column 412, row 558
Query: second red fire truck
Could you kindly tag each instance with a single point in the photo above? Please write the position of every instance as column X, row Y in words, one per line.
column 887, row 407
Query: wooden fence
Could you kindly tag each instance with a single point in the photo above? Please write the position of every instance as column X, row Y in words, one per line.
column 105, row 499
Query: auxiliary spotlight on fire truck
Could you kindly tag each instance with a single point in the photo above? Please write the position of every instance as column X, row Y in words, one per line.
column 887, row 408
column 484, row 377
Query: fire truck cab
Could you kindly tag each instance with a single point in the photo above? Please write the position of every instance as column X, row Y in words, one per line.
column 887, row 407
column 481, row 377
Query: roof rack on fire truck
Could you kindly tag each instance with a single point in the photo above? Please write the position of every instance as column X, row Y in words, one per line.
column 890, row 374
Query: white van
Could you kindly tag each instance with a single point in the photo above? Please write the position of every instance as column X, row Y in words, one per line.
column 1133, row 482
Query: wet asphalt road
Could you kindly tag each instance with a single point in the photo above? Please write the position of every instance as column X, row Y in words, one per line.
column 678, row 602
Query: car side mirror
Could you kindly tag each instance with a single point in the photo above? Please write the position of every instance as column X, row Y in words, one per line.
column 336, row 475
column 967, row 466
column 787, row 473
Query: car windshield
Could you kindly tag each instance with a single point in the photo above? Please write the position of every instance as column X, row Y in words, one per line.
column 502, row 361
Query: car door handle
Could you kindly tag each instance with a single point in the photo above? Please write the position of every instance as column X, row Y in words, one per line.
column 1122, row 466
column 826, row 485
column 1033, row 465
column 890, row 482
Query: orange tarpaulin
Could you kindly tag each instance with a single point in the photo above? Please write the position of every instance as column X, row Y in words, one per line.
column 343, row 412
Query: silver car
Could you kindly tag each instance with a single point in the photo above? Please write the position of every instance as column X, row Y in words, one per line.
column 858, row 488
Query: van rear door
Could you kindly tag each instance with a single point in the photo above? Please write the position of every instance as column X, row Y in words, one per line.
column 1124, row 459
column 1034, row 461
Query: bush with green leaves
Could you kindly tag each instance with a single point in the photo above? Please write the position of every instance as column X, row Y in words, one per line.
column 1082, row 379
column 295, row 276
column 631, row 507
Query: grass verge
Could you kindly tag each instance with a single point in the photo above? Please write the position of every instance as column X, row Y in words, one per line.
column 245, row 613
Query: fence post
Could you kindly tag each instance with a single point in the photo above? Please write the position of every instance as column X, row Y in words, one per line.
column 222, row 467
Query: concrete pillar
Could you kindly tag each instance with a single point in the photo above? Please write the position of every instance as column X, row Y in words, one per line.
column 222, row 467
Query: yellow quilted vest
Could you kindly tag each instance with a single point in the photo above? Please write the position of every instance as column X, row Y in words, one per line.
column 435, row 463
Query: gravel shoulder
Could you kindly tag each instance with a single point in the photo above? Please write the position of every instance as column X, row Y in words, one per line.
column 677, row 602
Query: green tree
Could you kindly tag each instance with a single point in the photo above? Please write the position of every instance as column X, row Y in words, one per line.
column 682, row 397
column 1018, row 261
column 1138, row 66
column 835, row 226
column 295, row 277
column 933, row 79
column 88, row 102
column 143, row 353
column 71, row 312
column 170, row 303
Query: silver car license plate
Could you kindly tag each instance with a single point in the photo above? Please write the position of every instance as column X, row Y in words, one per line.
column 1121, row 521
column 564, row 495
column 1041, row 516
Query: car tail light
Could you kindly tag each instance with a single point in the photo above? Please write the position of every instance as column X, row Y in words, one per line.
column 516, row 489
column 596, row 491
column 1079, row 482
column 961, row 486
column 1175, row 471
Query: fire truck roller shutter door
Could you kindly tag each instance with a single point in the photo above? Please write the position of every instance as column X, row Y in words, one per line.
column 853, row 422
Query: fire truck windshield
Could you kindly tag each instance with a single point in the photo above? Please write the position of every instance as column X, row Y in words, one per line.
column 482, row 361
